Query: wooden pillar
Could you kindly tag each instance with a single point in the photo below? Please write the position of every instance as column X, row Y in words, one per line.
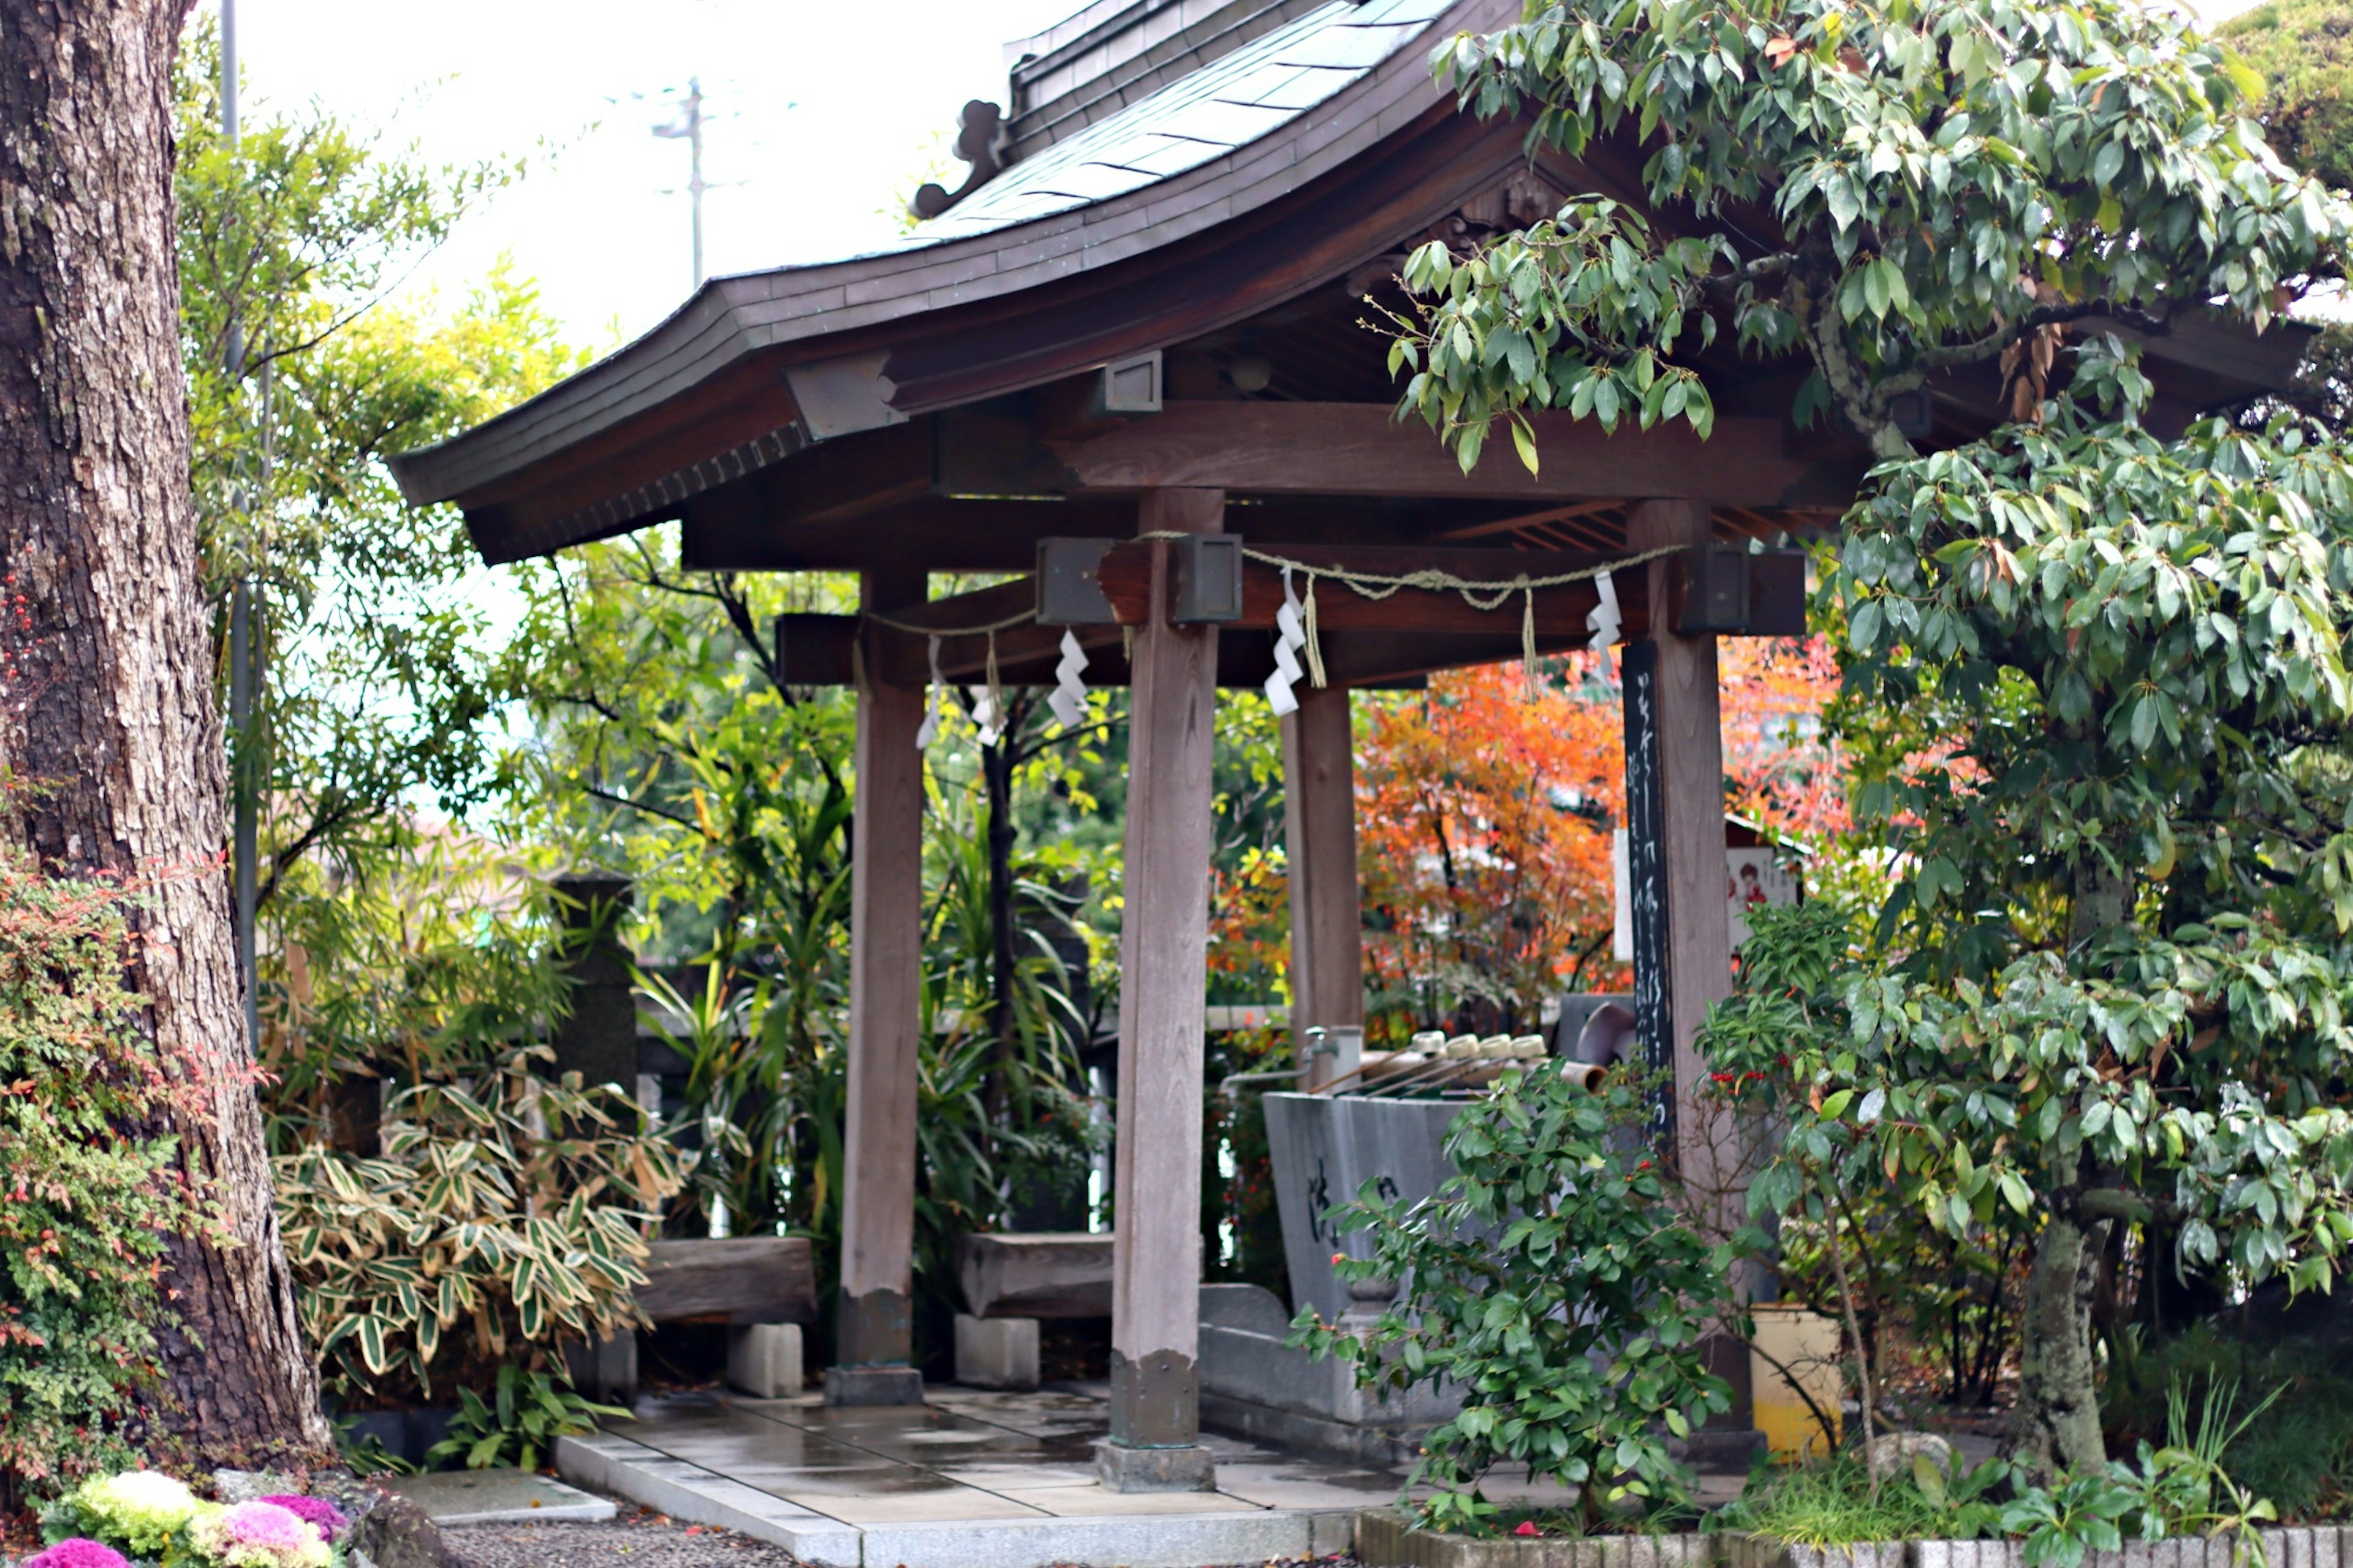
column 872, row 1330
column 1319, row 796
column 1155, row 1443
column 1682, row 938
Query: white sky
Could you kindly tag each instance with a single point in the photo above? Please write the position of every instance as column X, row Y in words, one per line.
column 828, row 111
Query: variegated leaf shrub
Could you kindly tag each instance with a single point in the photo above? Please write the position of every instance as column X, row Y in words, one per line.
column 506, row 1215
column 495, row 1210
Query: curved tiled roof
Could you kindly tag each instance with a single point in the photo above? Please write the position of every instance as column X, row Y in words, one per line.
column 1250, row 93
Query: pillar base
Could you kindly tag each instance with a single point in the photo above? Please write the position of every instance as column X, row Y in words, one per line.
column 1156, row 1400
column 873, row 1385
column 1187, row 1469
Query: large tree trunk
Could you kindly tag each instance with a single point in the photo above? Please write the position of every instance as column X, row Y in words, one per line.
column 2055, row 1425
column 108, row 645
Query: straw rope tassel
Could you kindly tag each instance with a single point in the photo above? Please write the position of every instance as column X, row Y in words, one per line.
column 995, row 688
column 1314, row 644
column 930, row 727
column 1528, row 645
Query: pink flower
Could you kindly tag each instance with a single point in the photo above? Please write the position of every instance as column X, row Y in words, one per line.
column 316, row 1511
column 1527, row 1527
column 77, row 1553
column 259, row 1535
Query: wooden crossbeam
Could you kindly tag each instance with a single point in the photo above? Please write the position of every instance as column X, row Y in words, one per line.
column 1361, row 450
column 819, row 655
column 1559, row 611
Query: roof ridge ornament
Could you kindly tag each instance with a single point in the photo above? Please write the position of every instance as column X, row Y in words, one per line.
column 981, row 141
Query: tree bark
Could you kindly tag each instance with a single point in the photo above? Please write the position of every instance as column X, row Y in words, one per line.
column 107, row 644
column 2055, row 1425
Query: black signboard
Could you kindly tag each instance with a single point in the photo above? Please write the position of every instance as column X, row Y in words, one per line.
column 1646, row 881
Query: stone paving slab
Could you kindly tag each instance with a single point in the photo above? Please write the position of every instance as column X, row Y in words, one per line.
column 498, row 1497
column 697, row 1496
column 971, row 1480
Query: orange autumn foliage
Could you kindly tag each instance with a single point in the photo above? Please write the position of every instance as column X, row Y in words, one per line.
column 1484, row 823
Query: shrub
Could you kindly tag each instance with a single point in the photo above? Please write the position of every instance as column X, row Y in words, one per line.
column 2300, row 1455
column 481, row 1212
column 1552, row 1280
column 503, row 1219
column 2304, row 49
column 2177, row 1491
column 90, row 1188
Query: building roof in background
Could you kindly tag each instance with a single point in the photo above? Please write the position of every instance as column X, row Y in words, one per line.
column 1114, row 52
column 1114, row 136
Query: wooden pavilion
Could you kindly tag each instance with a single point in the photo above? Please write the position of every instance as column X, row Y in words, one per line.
column 1140, row 320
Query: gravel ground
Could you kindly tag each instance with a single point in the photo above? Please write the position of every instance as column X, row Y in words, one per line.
column 639, row 1540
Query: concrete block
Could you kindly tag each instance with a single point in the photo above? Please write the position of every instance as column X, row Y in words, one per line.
column 1187, row 1469
column 764, row 1359
column 606, row 1370
column 873, row 1385
column 1163, row 1540
column 996, row 1352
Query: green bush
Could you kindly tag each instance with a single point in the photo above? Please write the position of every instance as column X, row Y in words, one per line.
column 1556, row 1282
column 505, row 1219
column 2300, row 1455
column 90, row 1182
column 507, row 1210
column 2303, row 50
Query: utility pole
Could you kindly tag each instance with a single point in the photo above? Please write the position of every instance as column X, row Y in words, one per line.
column 688, row 127
column 244, row 801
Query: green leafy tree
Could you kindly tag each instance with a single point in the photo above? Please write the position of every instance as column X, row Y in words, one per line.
column 2303, row 50
column 2109, row 982
column 378, row 650
column 670, row 744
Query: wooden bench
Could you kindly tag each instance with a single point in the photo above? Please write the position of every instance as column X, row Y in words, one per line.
column 1036, row 1274
column 743, row 1280
column 762, row 1287
column 1013, row 1278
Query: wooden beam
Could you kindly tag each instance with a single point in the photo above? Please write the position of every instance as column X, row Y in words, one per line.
column 1319, row 800
column 1559, row 612
column 1360, row 448
column 750, row 1279
column 946, row 534
column 1163, row 960
column 873, row 1329
column 1036, row 1274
